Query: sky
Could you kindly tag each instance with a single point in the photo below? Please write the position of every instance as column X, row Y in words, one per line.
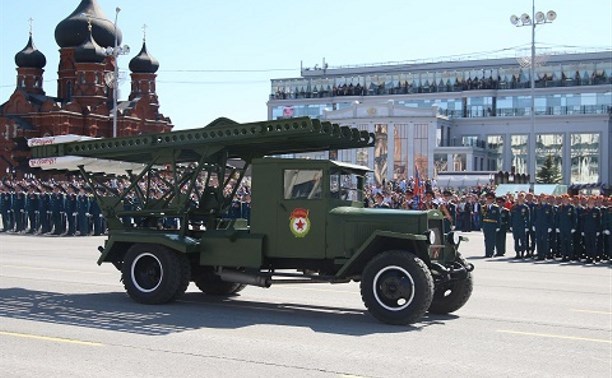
column 217, row 57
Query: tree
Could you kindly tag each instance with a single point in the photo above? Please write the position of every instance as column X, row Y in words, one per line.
column 549, row 173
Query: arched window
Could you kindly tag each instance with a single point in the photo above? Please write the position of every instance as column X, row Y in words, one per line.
column 68, row 90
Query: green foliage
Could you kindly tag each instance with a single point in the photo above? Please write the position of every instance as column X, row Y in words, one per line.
column 549, row 173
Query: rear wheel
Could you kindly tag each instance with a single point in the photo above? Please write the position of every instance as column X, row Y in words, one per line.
column 452, row 296
column 397, row 287
column 153, row 274
column 210, row 284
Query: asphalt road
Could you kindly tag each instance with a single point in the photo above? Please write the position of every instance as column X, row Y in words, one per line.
column 62, row 315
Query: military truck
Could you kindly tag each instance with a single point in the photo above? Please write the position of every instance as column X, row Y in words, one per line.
column 168, row 224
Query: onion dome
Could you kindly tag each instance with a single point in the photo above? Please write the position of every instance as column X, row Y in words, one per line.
column 89, row 52
column 30, row 57
column 144, row 62
column 72, row 31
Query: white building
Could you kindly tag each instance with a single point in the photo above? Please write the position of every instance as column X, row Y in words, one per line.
column 471, row 115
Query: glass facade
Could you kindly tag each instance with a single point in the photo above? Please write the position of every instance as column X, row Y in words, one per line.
column 440, row 163
column 585, row 158
column 549, row 146
column 519, row 147
column 459, row 162
column 421, row 147
column 496, row 150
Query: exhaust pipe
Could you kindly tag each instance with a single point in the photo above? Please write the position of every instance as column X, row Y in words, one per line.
column 244, row 278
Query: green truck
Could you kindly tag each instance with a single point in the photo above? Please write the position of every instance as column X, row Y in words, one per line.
column 169, row 226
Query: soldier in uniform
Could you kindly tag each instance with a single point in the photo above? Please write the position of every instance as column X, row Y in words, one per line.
column 504, row 224
column 566, row 221
column 71, row 211
column 6, row 204
column 591, row 229
column 19, row 214
column 44, row 210
column 519, row 221
column 96, row 217
column 553, row 238
column 31, row 208
column 428, row 203
column 578, row 245
column 82, row 213
column 490, row 224
column 448, row 208
column 57, row 210
column 531, row 235
column 543, row 221
column 607, row 229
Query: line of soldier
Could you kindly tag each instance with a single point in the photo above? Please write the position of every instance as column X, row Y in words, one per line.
column 55, row 209
column 549, row 227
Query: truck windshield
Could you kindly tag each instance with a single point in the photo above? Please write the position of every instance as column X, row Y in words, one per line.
column 346, row 185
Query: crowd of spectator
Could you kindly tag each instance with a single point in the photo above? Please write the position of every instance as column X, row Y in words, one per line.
column 458, row 84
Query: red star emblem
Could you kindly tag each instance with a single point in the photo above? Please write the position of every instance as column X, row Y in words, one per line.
column 300, row 225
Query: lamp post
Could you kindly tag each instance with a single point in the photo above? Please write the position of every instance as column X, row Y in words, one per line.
column 538, row 18
column 115, row 52
column 112, row 79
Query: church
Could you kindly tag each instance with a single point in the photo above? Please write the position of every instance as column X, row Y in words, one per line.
column 84, row 101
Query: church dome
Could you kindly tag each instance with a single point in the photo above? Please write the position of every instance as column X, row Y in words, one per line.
column 144, row 62
column 30, row 57
column 72, row 31
column 89, row 52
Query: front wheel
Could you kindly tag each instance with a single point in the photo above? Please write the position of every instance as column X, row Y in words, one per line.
column 153, row 274
column 450, row 297
column 397, row 287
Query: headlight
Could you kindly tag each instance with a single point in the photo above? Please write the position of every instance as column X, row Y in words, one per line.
column 454, row 237
column 431, row 237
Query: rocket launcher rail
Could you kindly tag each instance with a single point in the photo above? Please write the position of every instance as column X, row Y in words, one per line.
column 222, row 136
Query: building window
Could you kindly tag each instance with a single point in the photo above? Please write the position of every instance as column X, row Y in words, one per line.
column 440, row 163
column 459, row 162
column 496, row 151
column 585, row 158
column 400, row 157
column 421, row 146
column 519, row 147
column 549, row 149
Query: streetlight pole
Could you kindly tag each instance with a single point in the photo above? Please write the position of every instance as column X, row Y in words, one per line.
column 113, row 81
column 538, row 18
column 116, row 75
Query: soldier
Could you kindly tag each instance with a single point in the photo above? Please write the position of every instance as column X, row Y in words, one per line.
column 543, row 221
column 31, row 208
column 566, row 223
column 490, row 223
column 44, row 210
column 591, row 229
column 553, row 237
column 531, row 235
column 448, row 208
column 19, row 214
column 57, row 210
column 71, row 211
column 504, row 223
column 6, row 204
column 607, row 229
column 82, row 212
column 519, row 221
column 96, row 217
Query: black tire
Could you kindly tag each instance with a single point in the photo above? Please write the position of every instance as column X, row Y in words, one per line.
column 397, row 287
column 153, row 274
column 210, row 284
column 452, row 296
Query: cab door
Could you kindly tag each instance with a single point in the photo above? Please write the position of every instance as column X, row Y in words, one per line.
column 301, row 215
